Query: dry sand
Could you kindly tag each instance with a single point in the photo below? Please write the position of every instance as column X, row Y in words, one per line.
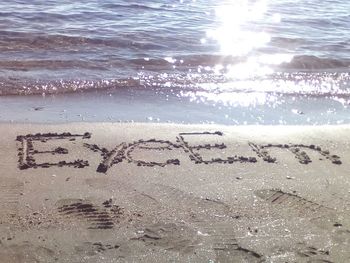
column 174, row 193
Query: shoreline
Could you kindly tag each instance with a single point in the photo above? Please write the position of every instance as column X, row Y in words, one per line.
column 102, row 192
column 152, row 106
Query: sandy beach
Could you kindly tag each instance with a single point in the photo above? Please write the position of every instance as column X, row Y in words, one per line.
column 174, row 131
column 174, row 193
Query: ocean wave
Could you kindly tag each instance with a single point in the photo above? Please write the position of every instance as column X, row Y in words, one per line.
column 20, row 41
column 114, row 62
column 13, row 86
column 189, row 60
column 297, row 63
column 133, row 6
column 305, row 62
column 26, row 65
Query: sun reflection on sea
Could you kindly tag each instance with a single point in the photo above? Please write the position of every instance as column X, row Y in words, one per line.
column 241, row 35
column 252, row 67
column 234, row 39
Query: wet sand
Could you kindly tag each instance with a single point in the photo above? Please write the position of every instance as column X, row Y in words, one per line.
column 174, row 193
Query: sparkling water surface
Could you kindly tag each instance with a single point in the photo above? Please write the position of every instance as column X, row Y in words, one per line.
column 231, row 62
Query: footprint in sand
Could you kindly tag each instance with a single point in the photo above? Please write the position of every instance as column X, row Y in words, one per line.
column 221, row 238
column 169, row 236
column 231, row 251
column 191, row 206
column 322, row 216
column 158, row 197
column 10, row 192
column 94, row 248
column 313, row 254
column 104, row 216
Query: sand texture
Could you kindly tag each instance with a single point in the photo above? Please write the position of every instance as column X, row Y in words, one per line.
column 174, row 193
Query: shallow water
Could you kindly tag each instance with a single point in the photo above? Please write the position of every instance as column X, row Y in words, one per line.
column 226, row 56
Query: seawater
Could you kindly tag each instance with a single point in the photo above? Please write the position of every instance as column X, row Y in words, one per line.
column 231, row 62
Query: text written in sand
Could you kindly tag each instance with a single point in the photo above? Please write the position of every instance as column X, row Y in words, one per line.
column 124, row 152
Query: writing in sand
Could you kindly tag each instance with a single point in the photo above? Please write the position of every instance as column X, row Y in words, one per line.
column 124, row 151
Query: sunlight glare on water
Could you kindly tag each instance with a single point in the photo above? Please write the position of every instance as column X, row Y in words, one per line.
column 239, row 35
column 233, row 38
column 243, row 34
column 228, row 56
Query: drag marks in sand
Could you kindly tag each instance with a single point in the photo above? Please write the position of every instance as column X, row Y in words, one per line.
column 11, row 190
